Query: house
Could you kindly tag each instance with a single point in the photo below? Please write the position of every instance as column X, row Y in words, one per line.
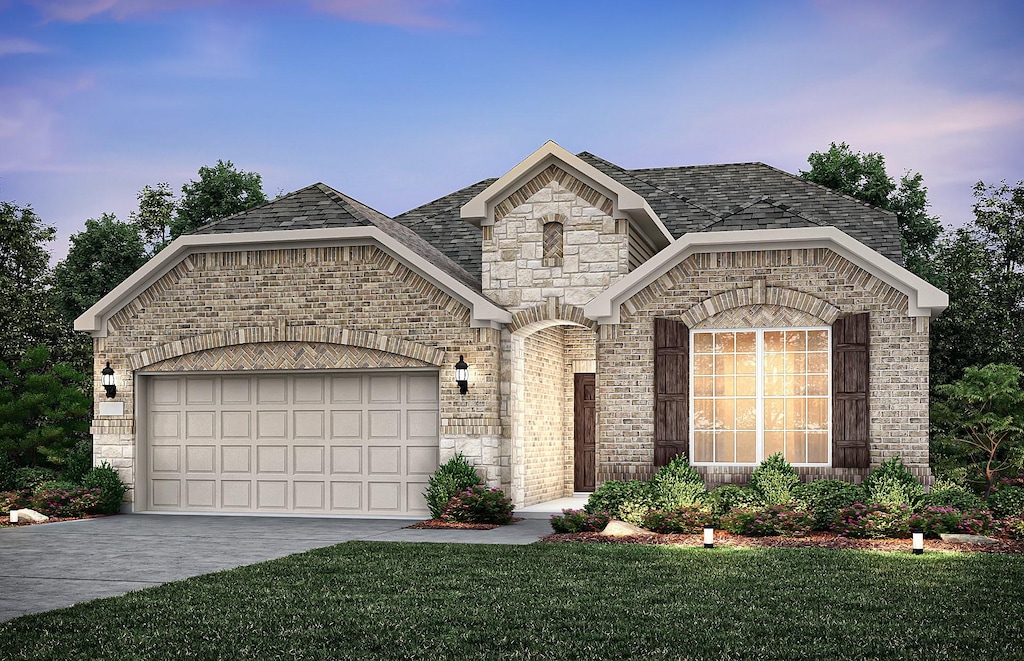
column 300, row 357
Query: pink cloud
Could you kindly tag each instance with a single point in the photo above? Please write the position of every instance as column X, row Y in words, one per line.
column 18, row 46
column 74, row 11
column 402, row 13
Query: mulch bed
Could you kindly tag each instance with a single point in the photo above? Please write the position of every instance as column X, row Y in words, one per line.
column 816, row 540
column 439, row 524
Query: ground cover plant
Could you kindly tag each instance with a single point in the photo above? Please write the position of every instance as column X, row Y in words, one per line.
column 435, row 601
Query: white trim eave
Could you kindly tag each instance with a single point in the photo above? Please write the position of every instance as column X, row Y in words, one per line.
column 480, row 210
column 483, row 312
column 924, row 299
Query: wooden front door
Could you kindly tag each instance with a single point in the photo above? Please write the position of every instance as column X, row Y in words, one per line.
column 584, row 425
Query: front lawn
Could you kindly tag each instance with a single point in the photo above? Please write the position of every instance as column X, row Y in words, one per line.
column 370, row 600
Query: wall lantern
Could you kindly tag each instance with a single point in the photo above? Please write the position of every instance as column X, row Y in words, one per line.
column 462, row 375
column 709, row 538
column 108, row 381
column 918, row 542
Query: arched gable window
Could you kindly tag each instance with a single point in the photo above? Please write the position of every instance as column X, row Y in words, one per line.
column 552, row 243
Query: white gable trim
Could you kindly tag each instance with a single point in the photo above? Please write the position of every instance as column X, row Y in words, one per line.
column 924, row 299
column 483, row 312
column 480, row 210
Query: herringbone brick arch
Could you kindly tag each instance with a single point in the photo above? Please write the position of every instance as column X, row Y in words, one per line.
column 761, row 316
column 285, row 356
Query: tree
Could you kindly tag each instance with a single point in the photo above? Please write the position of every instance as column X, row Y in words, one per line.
column 863, row 176
column 99, row 259
column 981, row 267
column 155, row 216
column 24, row 269
column 221, row 191
column 983, row 413
column 43, row 411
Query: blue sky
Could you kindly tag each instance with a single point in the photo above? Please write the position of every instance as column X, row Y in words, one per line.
column 397, row 102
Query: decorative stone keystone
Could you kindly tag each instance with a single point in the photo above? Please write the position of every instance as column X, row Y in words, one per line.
column 28, row 515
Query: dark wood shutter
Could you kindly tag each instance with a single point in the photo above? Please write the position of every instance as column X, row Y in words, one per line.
column 850, row 420
column 671, row 390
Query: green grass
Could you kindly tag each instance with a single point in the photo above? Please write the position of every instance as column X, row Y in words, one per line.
column 389, row 601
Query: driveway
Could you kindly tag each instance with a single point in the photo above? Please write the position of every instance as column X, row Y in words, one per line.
column 58, row 564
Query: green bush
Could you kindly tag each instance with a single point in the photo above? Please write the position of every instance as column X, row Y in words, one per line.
column 66, row 503
column 578, row 521
column 676, row 485
column 8, row 480
column 892, row 483
column 682, row 520
column 770, row 521
column 451, row 477
column 32, row 477
column 1012, row 528
column 950, row 494
column 1006, row 500
column 479, row 504
column 730, row 496
column 826, row 497
column 77, row 461
column 628, row 501
column 933, row 521
column 875, row 521
column 774, row 480
column 112, row 489
column 14, row 500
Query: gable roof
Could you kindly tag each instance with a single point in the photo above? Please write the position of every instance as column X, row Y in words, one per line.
column 320, row 207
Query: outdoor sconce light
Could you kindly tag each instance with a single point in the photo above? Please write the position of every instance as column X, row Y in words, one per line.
column 709, row 538
column 918, row 543
column 462, row 375
column 108, row 381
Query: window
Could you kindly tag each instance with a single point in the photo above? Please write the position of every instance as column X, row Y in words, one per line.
column 757, row 392
column 552, row 243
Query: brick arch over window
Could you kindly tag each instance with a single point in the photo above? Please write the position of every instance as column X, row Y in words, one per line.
column 762, row 297
column 550, row 314
column 285, row 334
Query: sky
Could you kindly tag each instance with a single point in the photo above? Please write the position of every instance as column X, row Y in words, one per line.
column 399, row 102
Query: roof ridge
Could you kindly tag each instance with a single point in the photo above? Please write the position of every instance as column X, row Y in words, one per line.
column 413, row 221
column 258, row 206
column 826, row 188
column 775, row 204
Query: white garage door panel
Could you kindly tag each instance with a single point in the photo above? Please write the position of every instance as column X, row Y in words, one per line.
column 331, row 443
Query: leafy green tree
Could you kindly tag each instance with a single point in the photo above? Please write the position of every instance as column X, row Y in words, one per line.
column 99, row 259
column 981, row 267
column 863, row 176
column 43, row 411
column 221, row 191
column 982, row 415
column 155, row 216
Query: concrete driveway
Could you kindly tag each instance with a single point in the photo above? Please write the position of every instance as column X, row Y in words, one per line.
column 58, row 564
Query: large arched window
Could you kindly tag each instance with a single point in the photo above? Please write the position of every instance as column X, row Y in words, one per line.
column 552, row 243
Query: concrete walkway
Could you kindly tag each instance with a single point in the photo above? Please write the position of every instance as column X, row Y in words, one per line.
column 55, row 565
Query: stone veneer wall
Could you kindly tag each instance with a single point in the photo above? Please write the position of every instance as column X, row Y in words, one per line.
column 800, row 285
column 544, row 436
column 580, row 357
column 595, row 246
column 358, row 297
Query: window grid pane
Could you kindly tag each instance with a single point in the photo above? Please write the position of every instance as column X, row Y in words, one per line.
column 724, row 396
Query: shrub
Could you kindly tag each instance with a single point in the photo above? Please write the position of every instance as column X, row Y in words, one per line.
column 112, row 489
column 31, row 477
column 774, row 480
column 730, row 496
column 892, row 483
column 1012, row 528
column 479, row 504
column 62, row 485
column 676, row 485
column 933, row 521
column 951, row 494
column 629, row 501
column 77, row 462
column 578, row 521
column 826, row 497
column 452, row 477
column 875, row 521
column 768, row 521
column 682, row 520
column 66, row 503
column 14, row 500
column 1006, row 500
column 7, row 472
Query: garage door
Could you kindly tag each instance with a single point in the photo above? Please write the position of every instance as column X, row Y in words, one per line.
column 333, row 443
